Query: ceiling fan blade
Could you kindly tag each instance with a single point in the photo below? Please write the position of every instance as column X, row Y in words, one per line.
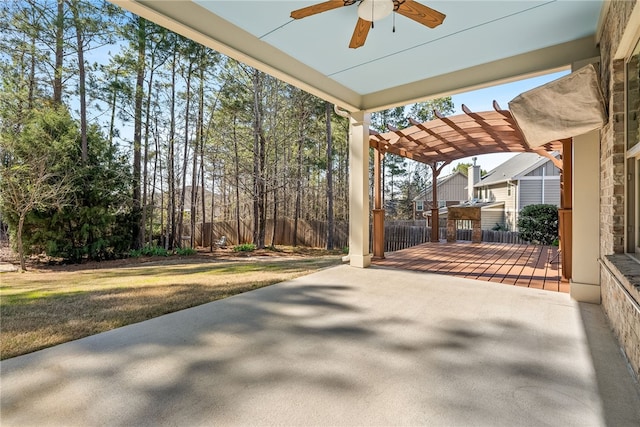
column 360, row 33
column 319, row 8
column 421, row 13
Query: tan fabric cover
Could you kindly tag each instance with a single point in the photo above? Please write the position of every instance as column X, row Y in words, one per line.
column 566, row 107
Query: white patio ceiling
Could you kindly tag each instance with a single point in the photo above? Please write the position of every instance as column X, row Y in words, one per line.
column 480, row 43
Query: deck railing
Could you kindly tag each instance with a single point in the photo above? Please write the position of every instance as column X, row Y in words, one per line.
column 404, row 236
column 398, row 234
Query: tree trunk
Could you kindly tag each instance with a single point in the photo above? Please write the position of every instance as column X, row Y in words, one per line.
column 112, row 120
column 202, row 193
column 145, row 160
column 213, row 197
column 59, row 54
column 23, row 266
column 32, row 75
column 237, row 177
column 296, row 213
column 157, row 164
column 81, row 82
column 275, row 197
column 185, row 159
column 328, row 109
column 197, row 143
column 259, row 159
column 171, row 209
column 137, row 132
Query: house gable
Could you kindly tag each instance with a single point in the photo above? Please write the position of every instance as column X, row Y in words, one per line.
column 451, row 188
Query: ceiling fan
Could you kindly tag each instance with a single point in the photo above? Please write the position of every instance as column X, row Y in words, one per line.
column 370, row 11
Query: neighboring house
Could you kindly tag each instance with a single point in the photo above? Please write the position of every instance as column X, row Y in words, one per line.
column 525, row 179
column 452, row 190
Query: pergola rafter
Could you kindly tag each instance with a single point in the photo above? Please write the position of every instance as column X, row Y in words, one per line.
column 435, row 135
column 487, row 127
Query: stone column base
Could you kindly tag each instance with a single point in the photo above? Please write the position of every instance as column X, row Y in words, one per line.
column 476, row 233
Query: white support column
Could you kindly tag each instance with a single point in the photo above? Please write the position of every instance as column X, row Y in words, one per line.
column 359, row 255
column 585, row 281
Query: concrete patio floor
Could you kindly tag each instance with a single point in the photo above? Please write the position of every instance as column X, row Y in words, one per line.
column 342, row 346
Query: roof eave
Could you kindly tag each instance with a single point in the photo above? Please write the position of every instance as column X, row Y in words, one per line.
column 193, row 21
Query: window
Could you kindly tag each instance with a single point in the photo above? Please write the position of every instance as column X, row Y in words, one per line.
column 632, row 134
column 419, row 206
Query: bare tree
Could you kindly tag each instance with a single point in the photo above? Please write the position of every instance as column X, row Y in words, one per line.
column 30, row 186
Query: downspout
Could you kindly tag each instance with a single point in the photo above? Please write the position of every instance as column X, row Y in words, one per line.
column 516, row 213
column 544, row 174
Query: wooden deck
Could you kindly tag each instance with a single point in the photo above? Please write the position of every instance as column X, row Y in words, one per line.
column 513, row 264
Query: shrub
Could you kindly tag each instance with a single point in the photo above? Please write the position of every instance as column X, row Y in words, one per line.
column 538, row 224
column 149, row 251
column 94, row 220
column 245, row 247
column 185, row 251
column 499, row 227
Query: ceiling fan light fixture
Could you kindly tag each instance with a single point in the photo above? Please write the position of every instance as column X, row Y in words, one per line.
column 375, row 10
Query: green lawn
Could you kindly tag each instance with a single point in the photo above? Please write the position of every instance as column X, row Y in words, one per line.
column 39, row 309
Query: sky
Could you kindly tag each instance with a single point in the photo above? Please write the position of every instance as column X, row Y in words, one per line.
column 482, row 100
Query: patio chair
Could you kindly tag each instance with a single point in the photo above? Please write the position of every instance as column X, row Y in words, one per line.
column 222, row 242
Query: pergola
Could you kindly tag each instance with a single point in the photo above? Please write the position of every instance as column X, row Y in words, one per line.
column 440, row 141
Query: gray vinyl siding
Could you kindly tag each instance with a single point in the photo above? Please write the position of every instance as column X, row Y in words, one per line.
column 531, row 192
column 452, row 190
column 552, row 192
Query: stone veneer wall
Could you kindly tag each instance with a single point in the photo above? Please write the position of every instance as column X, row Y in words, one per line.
column 620, row 295
column 612, row 145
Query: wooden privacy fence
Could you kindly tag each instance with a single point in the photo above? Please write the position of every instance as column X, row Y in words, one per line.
column 310, row 233
column 398, row 234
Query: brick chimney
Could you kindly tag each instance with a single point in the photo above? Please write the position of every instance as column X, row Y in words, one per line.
column 473, row 177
